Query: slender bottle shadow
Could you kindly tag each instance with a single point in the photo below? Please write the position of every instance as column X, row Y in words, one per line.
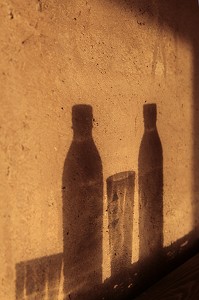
column 150, row 180
column 120, row 193
column 82, row 190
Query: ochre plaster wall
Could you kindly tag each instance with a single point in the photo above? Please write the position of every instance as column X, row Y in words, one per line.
column 55, row 54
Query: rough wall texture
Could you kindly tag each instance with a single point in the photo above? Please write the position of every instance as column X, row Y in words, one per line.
column 115, row 56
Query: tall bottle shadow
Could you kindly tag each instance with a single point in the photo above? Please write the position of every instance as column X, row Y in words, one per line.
column 150, row 181
column 120, row 193
column 82, row 190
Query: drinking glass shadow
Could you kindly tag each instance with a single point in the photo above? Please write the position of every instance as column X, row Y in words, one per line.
column 120, row 193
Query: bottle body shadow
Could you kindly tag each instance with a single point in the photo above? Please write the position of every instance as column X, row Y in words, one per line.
column 82, row 191
column 150, row 181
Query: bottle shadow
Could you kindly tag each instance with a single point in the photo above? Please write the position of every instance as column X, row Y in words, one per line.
column 82, row 186
column 150, row 182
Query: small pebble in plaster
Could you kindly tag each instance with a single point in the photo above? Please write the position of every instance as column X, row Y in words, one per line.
column 11, row 15
column 8, row 171
column 115, row 286
column 27, row 39
column 40, row 6
column 140, row 23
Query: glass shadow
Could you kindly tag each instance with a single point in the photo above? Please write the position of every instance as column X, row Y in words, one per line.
column 120, row 193
column 39, row 278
